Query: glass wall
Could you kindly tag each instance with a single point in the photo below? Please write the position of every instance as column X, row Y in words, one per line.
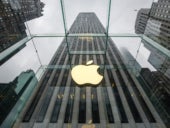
column 43, row 41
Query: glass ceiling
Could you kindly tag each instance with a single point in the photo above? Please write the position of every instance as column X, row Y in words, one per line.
column 45, row 34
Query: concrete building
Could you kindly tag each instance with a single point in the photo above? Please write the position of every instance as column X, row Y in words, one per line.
column 13, row 14
column 119, row 101
column 158, row 24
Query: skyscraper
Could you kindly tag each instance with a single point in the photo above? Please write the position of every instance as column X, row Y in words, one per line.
column 119, row 101
column 130, row 61
column 13, row 96
column 159, row 60
column 13, row 14
column 158, row 90
column 13, row 28
column 158, row 24
column 141, row 21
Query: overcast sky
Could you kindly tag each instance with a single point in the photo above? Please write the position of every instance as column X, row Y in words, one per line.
column 122, row 20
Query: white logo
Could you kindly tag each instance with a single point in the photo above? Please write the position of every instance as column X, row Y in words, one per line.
column 86, row 74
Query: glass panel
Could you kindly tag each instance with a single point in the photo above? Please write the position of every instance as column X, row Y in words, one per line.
column 155, row 85
column 38, row 88
column 12, row 50
column 74, row 8
column 12, row 27
column 46, row 47
column 95, row 107
column 108, row 108
column 70, row 103
column 15, row 94
column 14, row 66
column 49, row 22
column 123, row 15
column 82, row 106
column 135, row 56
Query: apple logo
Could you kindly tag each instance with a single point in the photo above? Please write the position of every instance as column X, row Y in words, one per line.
column 89, row 125
column 86, row 74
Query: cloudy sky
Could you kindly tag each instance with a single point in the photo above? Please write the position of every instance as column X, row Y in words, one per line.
column 123, row 14
column 122, row 20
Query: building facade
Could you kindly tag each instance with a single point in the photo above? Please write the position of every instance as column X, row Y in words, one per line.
column 158, row 60
column 119, row 101
column 11, row 93
column 13, row 14
column 158, row 25
column 130, row 61
column 158, row 90
column 141, row 20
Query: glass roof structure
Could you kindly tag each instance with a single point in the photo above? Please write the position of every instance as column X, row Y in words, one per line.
column 27, row 61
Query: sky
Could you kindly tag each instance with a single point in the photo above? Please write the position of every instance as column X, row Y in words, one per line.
column 122, row 20
column 122, row 16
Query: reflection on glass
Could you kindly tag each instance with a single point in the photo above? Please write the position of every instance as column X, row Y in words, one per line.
column 15, row 94
column 12, row 19
column 35, row 100
column 156, row 85
column 24, row 60
column 137, row 89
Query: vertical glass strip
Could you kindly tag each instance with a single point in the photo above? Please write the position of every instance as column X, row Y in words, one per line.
column 141, row 100
column 56, row 109
column 55, row 78
column 117, row 98
column 132, row 106
column 108, row 106
column 34, row 102
column 69, row 108
column 44, row 107
column 82, row 106
column 95, row 108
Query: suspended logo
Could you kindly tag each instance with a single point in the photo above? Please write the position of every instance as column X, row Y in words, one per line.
column 86, row 74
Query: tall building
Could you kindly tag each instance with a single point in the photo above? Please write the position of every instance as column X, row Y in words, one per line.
column 159, row 60
column 118, row 101
column 13, row 28
column 130, row 61
column 158, row 25
column 141, row 20
column 158, row 90
column 30, row 9
column 11, row 93
column 13, row 14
